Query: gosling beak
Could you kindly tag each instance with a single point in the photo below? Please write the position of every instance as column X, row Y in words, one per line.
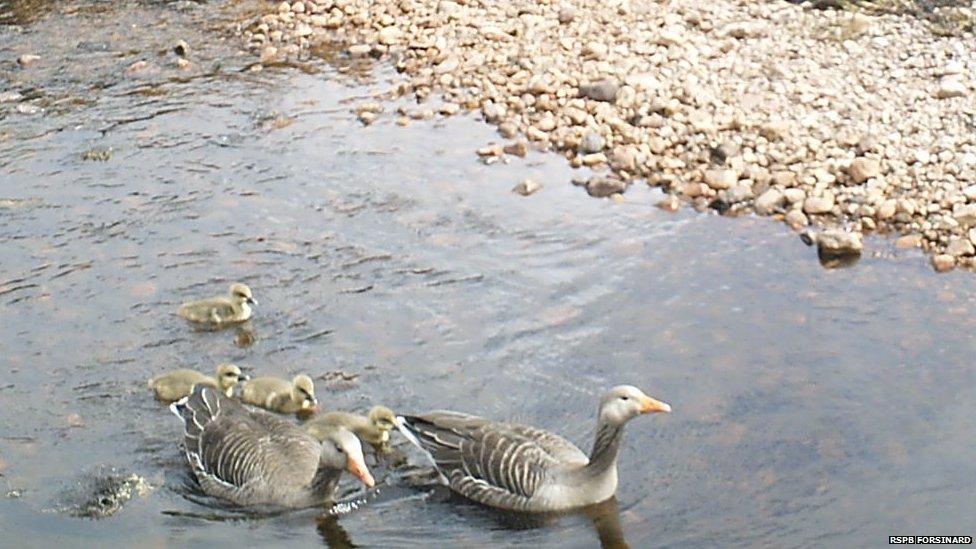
column 310, row 404
column 359, row 469
column 252, row 301
column 243, row 377
column 649, row 405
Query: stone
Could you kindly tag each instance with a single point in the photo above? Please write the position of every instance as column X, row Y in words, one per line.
column 594, row 159
column 943, row 262
column 10, row 96
column 909, row 241
column 670, row 203
column 367, row 117
column 793, row 195
column 527, row 187
column 269, row 54
column 181, row 48
column 965, row 215
column 796, row 219
column 775, row 130
column 389, row 36
column 28, row 59
column 768, row 202
column 507, row 130
column 888, row 209
column 604, row 90
column 592, row 142
column 818, row 204
column 566, row 15
column 601, row 187
column 835, row 243
column 950, row 87
column 360, row 50
column 959, row 246
column 862, row 169
column 519, row 148
column 720, row 179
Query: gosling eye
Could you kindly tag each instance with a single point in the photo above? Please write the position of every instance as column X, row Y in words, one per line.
column 625, row 397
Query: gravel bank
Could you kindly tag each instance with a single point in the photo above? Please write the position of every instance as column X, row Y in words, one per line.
column 814, row 117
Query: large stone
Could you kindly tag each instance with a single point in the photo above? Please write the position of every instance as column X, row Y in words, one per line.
column 603, row 90
column 768, row 202
column 720, row 179
column 965, row 214
column 818, row 204
column 943, row 262
column 951, row 87
column 389, row 36
column 959, row 246
column 601, row 187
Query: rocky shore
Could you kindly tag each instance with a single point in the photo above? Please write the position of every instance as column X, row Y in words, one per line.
column 833, row 118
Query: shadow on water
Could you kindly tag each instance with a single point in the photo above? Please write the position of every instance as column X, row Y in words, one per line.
column 812, row 406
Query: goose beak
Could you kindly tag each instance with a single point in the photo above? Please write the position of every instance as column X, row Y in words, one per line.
column 649, row 405
column 359, row 469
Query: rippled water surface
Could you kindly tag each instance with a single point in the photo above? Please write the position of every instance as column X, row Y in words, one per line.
column 812, row 406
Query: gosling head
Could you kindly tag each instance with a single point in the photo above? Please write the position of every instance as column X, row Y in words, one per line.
column 303, row 390
column 342, row 451
column 240, row 293
column 228, row 375
column 624, row 402
column 382, row 418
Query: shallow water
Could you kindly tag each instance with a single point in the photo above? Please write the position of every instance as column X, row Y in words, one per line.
column 812, row 406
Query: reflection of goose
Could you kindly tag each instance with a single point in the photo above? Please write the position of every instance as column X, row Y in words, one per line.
column 177, row 384
column 521, row 468
column 373, row 429
column 605, row 517
column 280, row 395
column 221, row 310
column 333, row 534
column 249, row 457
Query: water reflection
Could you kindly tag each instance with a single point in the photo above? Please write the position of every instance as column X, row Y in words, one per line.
column 333, row 534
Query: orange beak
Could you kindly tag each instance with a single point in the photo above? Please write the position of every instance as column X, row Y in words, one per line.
column 359, row 469
column 650, row 405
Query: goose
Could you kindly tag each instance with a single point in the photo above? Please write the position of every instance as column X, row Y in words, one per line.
column 374, row 428
column 521, row 468
column 227, row 309
column 251, row 457
column 280, row 395
column 177, row 384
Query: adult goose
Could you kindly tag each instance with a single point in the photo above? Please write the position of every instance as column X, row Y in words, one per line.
column 250, row 457
column 521, row 468
column 216, row 311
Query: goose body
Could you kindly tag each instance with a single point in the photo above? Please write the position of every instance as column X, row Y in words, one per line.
column 232, row 308
column 177, row 384
column 373, row 429
column 521, row 468
column 250, row 457
column 280, row 395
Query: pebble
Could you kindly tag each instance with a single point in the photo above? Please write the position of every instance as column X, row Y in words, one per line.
column 943, row 262
column 950, row 87
column 367, row 117
column 604, row 90
column 519, row 148
column 670, row 203
column 10, row 96
column 567, row 14
column 527, row 187
column 818, row 204
column 835, row 243
column 28, row 59
column 592, row 143
column 959, row 246
column 769, row 201
column 601, row 187
column 796, row 219
column 720, row 179
column 862, row 169
column 909, row 241
column 181, row 48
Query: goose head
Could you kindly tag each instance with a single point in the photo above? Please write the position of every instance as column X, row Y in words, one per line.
column 624, row 402
column 342, row 451
column 382, row 418
column 228, row 375
column 241, row 294
column 303, row 391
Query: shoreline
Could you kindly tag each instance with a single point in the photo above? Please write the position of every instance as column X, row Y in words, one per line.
column 819, row 118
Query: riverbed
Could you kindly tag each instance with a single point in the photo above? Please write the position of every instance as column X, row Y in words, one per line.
column 812, row 406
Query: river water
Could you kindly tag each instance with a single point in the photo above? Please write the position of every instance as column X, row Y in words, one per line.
column 811, row 406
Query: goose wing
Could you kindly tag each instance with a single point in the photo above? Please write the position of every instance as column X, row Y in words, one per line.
column 208, row 310
column 499, row 464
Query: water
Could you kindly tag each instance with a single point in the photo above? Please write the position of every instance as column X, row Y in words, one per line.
column 812, row 406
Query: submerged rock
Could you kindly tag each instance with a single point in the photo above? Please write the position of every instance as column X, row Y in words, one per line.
column 101, row 494
column 527, row 187
column 835, row 248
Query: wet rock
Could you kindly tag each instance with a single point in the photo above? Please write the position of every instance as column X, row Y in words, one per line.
column 670, row 203
column 519, row 148
column 269, row 54
column 604, row 90
column 835, row 248
column 360, row 50
column 602, row 187
column 367, row 117
column 909, row 241
column 527, row 187
column 720, row 179
column 943, row 262
column 768, row 202
column 28, row 59
column 736, row 194
column 101, row 493
column 862, row 169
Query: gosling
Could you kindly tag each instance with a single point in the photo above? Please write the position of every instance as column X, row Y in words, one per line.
column 279, row 395
column 373, row 429
column 228, row 309
column 177, row 384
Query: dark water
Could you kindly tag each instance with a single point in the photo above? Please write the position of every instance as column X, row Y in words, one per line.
column 812, row 407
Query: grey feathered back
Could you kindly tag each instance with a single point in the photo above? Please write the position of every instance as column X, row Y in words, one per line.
column 250, row 457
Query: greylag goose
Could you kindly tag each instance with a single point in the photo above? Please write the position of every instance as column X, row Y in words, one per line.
column 221, row 310
column 180, row 383
column 280, row 395
column 373, row 429
column 250, row 457
column 521, row 468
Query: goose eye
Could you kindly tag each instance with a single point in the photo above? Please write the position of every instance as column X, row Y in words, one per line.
column 339, row 449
